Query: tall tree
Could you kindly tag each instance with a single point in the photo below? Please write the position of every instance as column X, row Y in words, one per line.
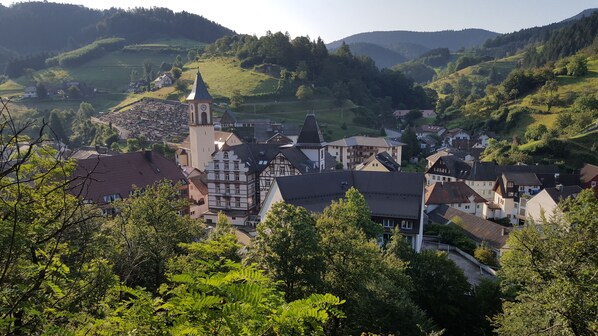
column 551, row 266
column 287, row 248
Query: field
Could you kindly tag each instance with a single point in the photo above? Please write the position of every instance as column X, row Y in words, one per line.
column 331, row 117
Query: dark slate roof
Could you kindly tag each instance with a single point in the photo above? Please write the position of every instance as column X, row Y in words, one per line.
column 228, row 118
column 310, row 132
column 255, row 156
column 484, row 171
column 199, row 90
column 457, row 167
column 451, row 193
column 479, row 229
column 564, row 192
column 299, row 160
column 392, row 194
column 117, row 174
column 522, row 179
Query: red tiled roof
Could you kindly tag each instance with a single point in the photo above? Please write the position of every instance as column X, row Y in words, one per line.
column 451, row 193
column 117, row 174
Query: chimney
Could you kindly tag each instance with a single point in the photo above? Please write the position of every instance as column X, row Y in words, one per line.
column 147, row 154
column 504, row 232
column 559, row 187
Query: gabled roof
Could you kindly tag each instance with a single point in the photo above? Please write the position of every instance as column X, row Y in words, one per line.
column 562, row 193
column 299, row 160
column 228, row 118
column 521, row 178
column 477, row 228
column 456, row 167
column 366, row 141
column 255, row 156
column 385, row 160
column 310, row 132
column 391, row 194
column 199, row 90
column 116, row 174
column 451, row 193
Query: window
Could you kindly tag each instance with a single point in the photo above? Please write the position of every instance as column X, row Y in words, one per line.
column 226, row 155
column 216, row 164
column 466, row 206
column 593, row 184
column 236, row 176
column 111, row 198
column 510, row 184
column 237, row 202
column 236, row 165
column 388, row 223
column 282, row 171
column 237, row 189
column 407, row 224
column 226, row 165
column 227, row 176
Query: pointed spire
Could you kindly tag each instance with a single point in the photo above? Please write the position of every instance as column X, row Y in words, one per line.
column 199, row 91
column 310, row 132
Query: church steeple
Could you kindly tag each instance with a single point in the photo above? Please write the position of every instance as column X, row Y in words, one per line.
column 199, row 91
column 201, row 128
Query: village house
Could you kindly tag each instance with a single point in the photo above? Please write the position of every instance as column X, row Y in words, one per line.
column 589, row 177
column 482, row 231
column 455, row 134
column 544, row 204
column 357, row 149
column 508, row 189
column 30, row 92
column 103, row 180
column 428, row 130
column 163, row 80
column 198, row 191
column 457, row 195
column 395, row 199
column 380, row 162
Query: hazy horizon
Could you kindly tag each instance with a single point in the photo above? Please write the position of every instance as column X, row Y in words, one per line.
column 335, row 19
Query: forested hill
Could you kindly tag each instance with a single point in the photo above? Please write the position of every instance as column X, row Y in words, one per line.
column 31, row 27
column 383, row 57
column 505, row 44
column 451, row 39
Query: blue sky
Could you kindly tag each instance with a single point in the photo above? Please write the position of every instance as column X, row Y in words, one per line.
column 335, row 19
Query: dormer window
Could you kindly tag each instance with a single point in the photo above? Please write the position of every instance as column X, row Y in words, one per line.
column 225, row 155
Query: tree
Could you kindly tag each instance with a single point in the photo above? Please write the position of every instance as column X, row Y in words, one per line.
column 412, row 148
column 147, row 231
column 551, row 269
column 73, row 92
column 56, row 128
column 484, row 255
column 180, row 85
column 549, row 94
column 304, row 92
column 41, row 90
column 287, row 248
column 192, row 55
column 51, row 255
column 178, row 62
column 376, row 288
column 176, row 72
column 577, row 66
column 535, row 132
column 148, row 73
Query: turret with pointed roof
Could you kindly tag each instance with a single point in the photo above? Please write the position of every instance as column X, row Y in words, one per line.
column 199, row 91
column 310, row 134
column 311, row 142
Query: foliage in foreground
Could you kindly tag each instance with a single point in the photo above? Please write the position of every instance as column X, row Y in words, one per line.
column 551, row 268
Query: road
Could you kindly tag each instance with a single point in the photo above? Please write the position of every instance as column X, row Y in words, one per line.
column 472, row 271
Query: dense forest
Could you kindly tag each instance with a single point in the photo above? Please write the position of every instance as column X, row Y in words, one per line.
column 66, row 27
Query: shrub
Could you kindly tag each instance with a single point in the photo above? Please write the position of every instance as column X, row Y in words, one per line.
column 485, row 255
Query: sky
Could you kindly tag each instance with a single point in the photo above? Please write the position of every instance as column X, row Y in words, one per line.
column 334, row 19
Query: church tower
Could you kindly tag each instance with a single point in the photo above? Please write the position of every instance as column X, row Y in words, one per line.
column 201, row 128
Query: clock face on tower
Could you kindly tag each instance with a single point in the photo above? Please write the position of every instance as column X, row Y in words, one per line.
column 203, row 107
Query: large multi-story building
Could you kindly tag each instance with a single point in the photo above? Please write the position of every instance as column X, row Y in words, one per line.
column 395, row 199
column 357, row 149
column 240, row 176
